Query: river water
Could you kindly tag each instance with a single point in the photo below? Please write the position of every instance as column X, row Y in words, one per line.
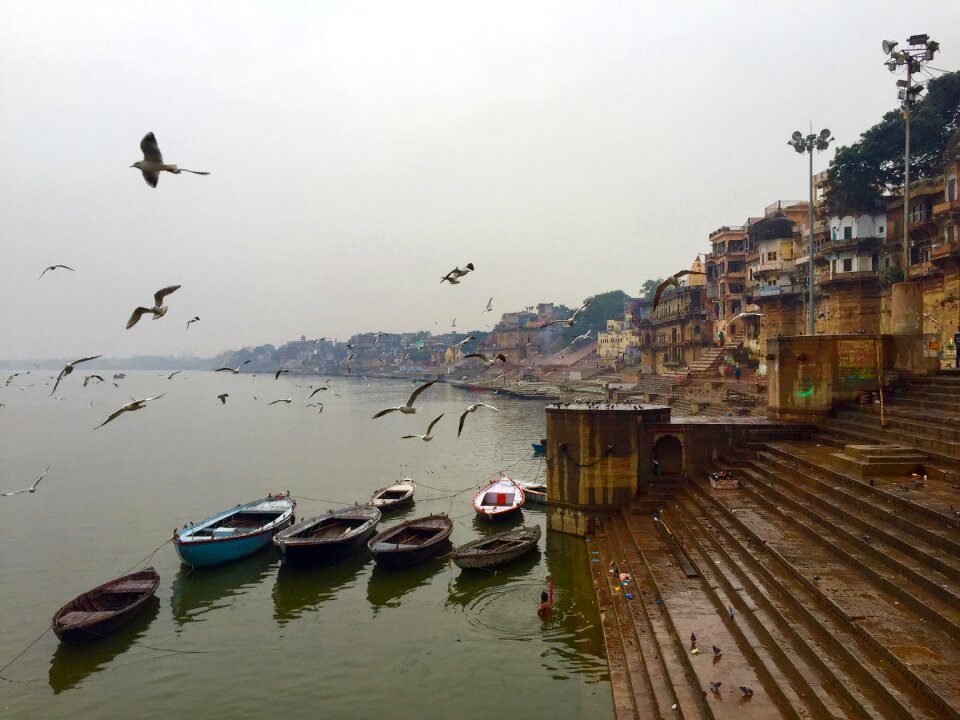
column 252, row 637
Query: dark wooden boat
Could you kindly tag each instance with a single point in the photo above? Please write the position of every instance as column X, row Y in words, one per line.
column 330, row 536
column 412, row 541
column 98, row 611
column 498, row 549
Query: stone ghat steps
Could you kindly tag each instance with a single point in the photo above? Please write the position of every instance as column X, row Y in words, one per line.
column 827, row 585
column 864, row 427
column 855, row 680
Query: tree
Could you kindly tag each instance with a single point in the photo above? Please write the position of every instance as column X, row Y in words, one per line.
column 602, row 307
column 649, row 288
column 859, row 175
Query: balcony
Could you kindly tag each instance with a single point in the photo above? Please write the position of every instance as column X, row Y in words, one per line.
column 949, row 206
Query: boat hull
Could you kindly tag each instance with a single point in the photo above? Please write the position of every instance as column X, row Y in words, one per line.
column 516, row 544
column 412, row 541
column 391, row 558
column 105, row 608
column 502, row 498
column 321, row 554
column 213, row 542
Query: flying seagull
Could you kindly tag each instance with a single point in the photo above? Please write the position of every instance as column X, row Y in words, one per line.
column 463, row 342
column 195, row 318
column 152, row 163
column 88, row 378
column 30, row 489
column 569, row 321
column 68, row 368
column 377, row 336
column 235, row 371
column 472, row 408
column 489, row 306
column 280, row 372
column 158, row 309
column 407, row 409
column 584, row 336
column 285, row 400
column 426, row 437
column 223, row 397
column 487, row 362
column 175, row 372
column 672, row 281
column 54, row 267
column 319, row 389
column 451, row 277
column 129, row 407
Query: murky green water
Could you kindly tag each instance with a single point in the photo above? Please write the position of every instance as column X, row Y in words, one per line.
column 349, row 640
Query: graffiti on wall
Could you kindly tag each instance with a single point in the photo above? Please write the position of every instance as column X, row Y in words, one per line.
column 856, row 363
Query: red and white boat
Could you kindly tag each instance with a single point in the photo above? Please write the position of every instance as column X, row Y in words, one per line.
column 500, row 498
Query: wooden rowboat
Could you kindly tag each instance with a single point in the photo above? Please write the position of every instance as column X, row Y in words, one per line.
column 498, row 549
column 536, row 492
column 234, row 533
column 330, row 536
column 412, row 541
column 397, row 495
column 500, row 498
column 105, row 608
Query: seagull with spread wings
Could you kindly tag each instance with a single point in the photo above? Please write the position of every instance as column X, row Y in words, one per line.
column 452, row 276
column 88, row 378
column 569, row 321
column 408, row 408
column 129, row 407
column 152, row 164
column 222, row 397
column 68, row 368
column 284, row 400
column 195, row 318
column 483, row 358
column 235, row 371
column 158, row 309
column 489, row 306
column 280, row 372
column 30, row 489
column 672, row 281
column 472, row 408
column 54, row 267
column 426, row 437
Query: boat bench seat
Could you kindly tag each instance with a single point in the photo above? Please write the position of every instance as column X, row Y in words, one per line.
column 82, row 616
column 132, row 586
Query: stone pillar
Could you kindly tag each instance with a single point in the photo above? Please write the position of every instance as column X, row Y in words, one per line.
column 906, row 323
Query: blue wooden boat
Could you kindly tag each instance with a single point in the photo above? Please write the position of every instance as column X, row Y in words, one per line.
column 234, row 533
column 539, row 448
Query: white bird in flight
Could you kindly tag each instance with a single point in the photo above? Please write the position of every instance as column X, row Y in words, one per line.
column 452, row 276
column 129, row 407
column 483, row 358
column 280, row 372
column 407, row 409
column 88, row 378
column 152, row 164
column 489, row 306
column 584, row 336
column 30, row 489
column 284, row 400
column 426, row 437
column 195, row 318
column 569, row 321
column 68, row 368
column 54, row 267
column 175, row 372
column 158, row 309
column 472, row 408
column 672, row 281
column 235, row 371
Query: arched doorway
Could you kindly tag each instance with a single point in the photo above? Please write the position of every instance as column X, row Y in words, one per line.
column 668, row 451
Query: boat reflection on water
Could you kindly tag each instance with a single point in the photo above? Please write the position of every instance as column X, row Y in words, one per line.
column 387, row 585
column 73, row 662
column 301, row 590
column 200, row 590
column 468, row 584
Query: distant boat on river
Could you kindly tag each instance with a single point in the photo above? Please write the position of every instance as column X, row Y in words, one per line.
column 328, row 537
column 106, row 607
column 234, row 533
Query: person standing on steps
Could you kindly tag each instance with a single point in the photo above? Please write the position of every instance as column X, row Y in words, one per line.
column 720, row 335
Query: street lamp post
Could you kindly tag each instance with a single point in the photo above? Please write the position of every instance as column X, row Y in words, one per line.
column 921, row 49
column 806, row 145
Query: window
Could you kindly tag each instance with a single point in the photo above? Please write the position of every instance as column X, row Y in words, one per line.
column 847, row 264
column 952, row 189
column 848, row 233
column 880, row 230
column 772, row 255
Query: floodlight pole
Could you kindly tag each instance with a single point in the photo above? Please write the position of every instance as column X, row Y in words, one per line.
column 807, row 144
column 906, row 180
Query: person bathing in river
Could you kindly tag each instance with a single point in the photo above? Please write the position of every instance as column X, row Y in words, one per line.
column 546, row 605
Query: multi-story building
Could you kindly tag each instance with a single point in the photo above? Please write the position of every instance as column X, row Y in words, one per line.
column 678, row 328
column 726, row 268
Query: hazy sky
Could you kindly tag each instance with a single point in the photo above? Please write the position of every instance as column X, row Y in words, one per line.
column 360, row 150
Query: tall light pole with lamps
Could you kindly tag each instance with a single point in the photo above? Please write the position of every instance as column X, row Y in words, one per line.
column 806, row 145
column 921, row 49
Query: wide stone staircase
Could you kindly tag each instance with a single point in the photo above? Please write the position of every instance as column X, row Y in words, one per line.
column 830, row 581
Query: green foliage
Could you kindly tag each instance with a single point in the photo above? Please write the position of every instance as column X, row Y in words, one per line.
column 602, row 307
column 861, row 173
column 648, row 289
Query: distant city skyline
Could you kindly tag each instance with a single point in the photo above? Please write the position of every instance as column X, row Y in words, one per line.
column 360, row 151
